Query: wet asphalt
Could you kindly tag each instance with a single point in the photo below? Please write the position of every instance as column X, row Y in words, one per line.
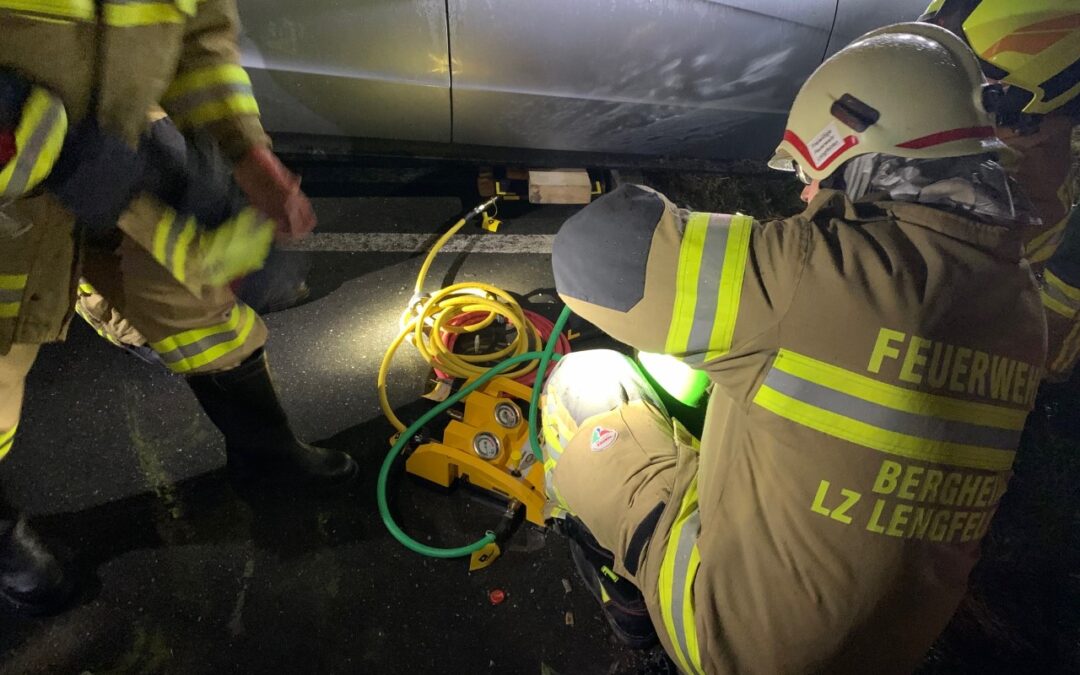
column 181, row 573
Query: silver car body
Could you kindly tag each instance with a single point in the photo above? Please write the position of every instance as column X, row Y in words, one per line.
column 703, row 79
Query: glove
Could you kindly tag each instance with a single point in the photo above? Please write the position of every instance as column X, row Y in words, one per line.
column 275, row 191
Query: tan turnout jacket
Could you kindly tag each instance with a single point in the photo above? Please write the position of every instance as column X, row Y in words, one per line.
column 873, row 363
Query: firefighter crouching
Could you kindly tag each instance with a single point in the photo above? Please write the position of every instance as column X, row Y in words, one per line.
column 873, row 360
column 77, row 82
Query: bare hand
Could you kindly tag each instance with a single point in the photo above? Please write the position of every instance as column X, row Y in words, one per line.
column 275, row 191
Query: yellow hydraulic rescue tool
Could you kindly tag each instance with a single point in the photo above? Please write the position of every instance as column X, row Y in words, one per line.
column 488, row 446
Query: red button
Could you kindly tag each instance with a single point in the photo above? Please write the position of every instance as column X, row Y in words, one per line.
column 497, row 596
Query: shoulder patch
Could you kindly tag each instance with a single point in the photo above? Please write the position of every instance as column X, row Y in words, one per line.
column 600, row 253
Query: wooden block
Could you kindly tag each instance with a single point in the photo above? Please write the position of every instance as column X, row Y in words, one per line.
column 561, row 186
column 485, row 183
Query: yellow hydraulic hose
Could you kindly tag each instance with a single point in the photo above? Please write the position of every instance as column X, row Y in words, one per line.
column 428, row 319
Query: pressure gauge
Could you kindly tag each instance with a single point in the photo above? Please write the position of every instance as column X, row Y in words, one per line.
column 486, row 445
column 508, row 415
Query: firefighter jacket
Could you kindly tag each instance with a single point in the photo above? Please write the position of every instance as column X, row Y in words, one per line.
column 116, row 60
column 873, row 365
column 1045, row 171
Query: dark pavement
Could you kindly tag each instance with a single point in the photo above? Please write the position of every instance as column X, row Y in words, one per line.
column 183, row 574
column 115, row 460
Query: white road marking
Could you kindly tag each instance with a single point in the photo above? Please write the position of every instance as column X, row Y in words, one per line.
column 396, row 242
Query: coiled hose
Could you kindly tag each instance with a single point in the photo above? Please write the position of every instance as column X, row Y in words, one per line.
column 543, row 359
column 434, row 323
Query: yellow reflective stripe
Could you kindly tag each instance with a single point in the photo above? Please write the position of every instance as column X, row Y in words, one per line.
column 877, row 438
column 39, row 137
column 1055, row 281
column 1066, row 357
column 7, row 439
column 206, row 77
column 68, row 9
column 562, row 502
column 1043, row 246
column 161, row 237
column 898, row 398
column 213, row 111
column 196, row 348
column 190, row 337
column 686, row 283
column 12, row 287
column 1056, row 306
column 131, row 14
column 180, row 251
column 210, row 93
column 173, row 237
column 551, row 436
column 676, row 586
column 727, row 303
column 13, row 282
column 220, row 350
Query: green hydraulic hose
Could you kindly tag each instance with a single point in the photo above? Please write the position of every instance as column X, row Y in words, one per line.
column 545, row 357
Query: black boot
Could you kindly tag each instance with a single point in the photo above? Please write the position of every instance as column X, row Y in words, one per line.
column 32, row 580
column 623, row 604
column 243, row 404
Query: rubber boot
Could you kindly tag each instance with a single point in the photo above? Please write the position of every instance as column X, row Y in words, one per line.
column 622, row 603
column 32, row 580
column 259, row 443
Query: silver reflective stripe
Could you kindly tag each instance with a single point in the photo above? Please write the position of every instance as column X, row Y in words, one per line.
column 708, row 288
column 12, row 295
column 883, row 417
column 28, row 155
column 199, row 346
column 685, row 548
column 184, row 104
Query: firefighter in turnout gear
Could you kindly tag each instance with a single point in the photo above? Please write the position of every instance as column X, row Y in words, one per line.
column 873, row 360
column 1033, row 47
column 77, row 78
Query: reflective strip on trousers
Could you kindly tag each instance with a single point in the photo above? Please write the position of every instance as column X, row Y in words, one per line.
column 132, row 13
column 210, row 94
column 708, row 285
column 1059, row 297
column 12, row 288
column 38, row 140
column 81, row 10
column 187, row 351
column 888, row 418
column 172, row 237
column 7, row 439
column 677, row 573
